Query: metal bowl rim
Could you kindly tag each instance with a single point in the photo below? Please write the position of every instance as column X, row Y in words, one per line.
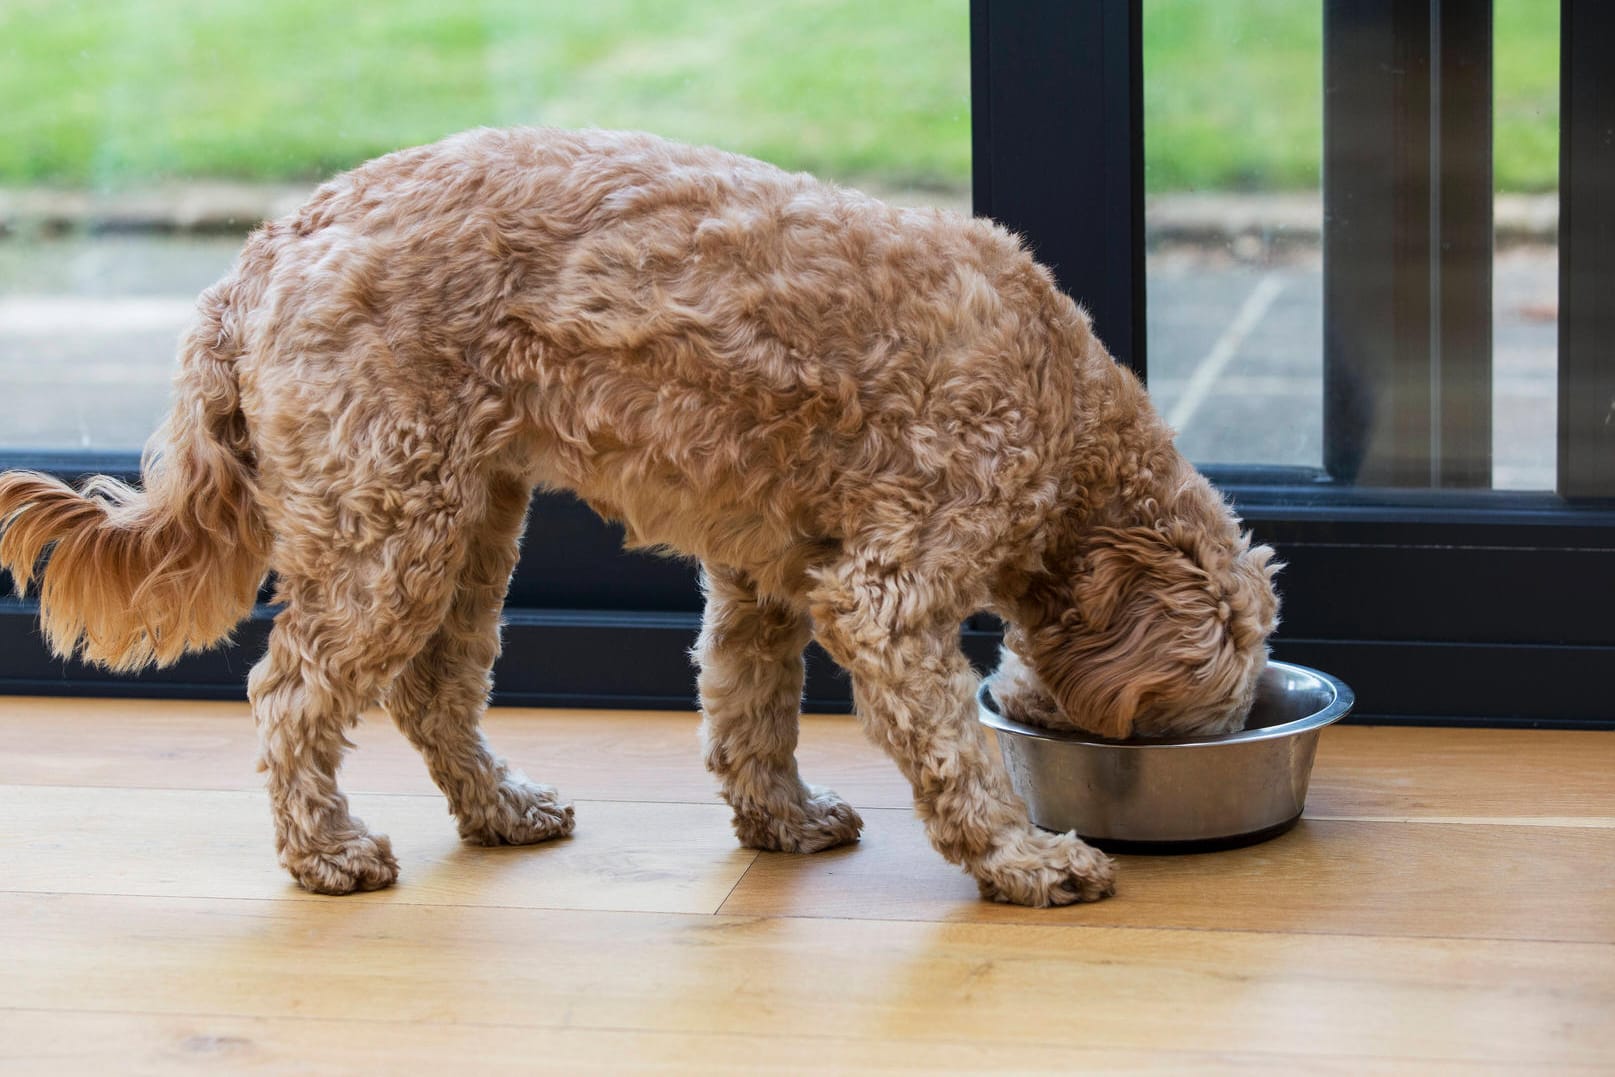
column 1336, row 709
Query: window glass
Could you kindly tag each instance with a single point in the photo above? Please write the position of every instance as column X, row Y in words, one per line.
column 1525, row 280
column 1233, row 123
column 142, row 138
column 1240, row 344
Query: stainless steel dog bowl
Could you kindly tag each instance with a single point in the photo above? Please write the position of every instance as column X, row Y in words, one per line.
column 1189, row 794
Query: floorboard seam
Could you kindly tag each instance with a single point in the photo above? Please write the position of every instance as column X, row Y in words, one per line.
column 1017, row 925
column 815, row 1036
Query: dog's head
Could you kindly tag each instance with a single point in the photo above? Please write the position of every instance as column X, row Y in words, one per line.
column 1159, row 631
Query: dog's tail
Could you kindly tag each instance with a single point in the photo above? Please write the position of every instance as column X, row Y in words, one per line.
column 137, row 576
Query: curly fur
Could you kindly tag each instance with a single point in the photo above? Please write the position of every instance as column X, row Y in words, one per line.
column 866, row 422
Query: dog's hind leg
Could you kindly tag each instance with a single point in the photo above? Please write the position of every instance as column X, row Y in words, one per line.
column 343, row 634
column 369, row 549
column 897, row 633
column 750, row 654
column 439, row 699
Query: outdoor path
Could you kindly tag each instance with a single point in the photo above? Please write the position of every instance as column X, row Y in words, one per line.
column 1236, row 360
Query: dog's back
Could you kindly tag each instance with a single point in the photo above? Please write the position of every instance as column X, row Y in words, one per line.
column 739, row 363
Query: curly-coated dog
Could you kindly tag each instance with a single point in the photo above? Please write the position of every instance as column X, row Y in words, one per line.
column 866, row 422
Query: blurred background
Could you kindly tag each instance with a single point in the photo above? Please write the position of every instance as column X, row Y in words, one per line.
column 141, row 139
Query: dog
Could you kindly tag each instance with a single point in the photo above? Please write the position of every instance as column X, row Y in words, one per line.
column 867, row 423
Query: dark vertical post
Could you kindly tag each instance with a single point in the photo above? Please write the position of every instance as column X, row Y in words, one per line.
column 1407, row 242
column 1376, row 296
column 1586, row 250
column 1461, row 248
column 1058, row 142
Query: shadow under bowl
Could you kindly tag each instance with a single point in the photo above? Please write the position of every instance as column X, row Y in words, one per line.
column 1191, row 794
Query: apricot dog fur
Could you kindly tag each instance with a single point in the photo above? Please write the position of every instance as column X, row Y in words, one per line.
column 866, row 422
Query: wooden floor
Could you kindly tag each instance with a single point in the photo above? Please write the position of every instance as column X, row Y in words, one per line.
column 1448, row 904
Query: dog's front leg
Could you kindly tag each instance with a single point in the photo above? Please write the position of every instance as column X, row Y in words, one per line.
column 915, row 693
column 750, row 654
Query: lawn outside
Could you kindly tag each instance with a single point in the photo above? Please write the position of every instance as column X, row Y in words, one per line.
column 135, row 91
column 131, row 93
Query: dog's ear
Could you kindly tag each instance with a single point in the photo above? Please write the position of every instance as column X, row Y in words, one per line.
column 1159, row 626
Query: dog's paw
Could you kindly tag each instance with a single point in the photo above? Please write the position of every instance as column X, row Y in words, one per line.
column 521, row 813
column 822, row 821
column 356, row 861
column 1042, row 869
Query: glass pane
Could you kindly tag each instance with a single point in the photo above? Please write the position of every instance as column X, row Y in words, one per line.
column 1525, row 276
column 142, row 138
column 1234, row 159
column 1233, row 125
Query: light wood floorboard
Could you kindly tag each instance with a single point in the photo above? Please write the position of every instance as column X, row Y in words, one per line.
column 1327, row 876
column 1445, row 907
column 1324, row 877
column 179, row 843
column 1057, row 985
column 1362, row 771
column 123, row 1043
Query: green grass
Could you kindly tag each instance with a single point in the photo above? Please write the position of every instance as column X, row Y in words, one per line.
column 1233, row 94
column 110, row 93
column 107, row 92
column 1525, row 111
